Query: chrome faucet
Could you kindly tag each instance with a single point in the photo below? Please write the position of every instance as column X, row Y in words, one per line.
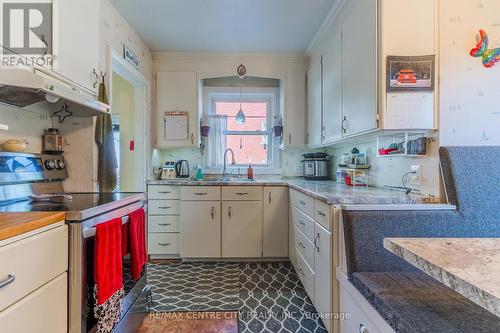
column 233, row 162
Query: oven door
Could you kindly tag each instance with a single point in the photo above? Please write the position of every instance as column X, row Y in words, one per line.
column 82, row 317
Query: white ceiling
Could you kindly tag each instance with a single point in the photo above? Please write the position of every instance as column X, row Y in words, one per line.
column 225, row 25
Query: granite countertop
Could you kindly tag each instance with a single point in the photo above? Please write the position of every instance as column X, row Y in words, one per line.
column 327, row 191
column 14, row 224
column 470, row 266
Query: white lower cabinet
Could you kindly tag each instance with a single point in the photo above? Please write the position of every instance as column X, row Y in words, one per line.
column 323, row 263
column 275, row 222
column 241, row 229
column 200, row 229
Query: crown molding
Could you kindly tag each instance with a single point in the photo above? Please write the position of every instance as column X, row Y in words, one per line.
column 219, row 55
column 330, row 17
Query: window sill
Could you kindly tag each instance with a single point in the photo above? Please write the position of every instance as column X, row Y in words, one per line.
column 243, row 171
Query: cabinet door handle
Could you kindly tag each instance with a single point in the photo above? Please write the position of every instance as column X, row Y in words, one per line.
column 229, row 212
column 164, row 244
column 192, row 138
column 363, row 329
column 302, row 245
column 270, row 200
column 344, row 124
column 319, row 212
column 96, row 77
column 8, row 280
column 302, row 223
column 164, row 207
column 164, row 224
column 316, row 242
column 200, row 193
column 289, row 138
column 164, row 192
column 212, row 212
column 302, row 202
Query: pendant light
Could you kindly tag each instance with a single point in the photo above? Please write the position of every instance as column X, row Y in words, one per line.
column 240, row 116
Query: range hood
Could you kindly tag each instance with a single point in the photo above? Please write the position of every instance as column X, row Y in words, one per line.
column 24, row 87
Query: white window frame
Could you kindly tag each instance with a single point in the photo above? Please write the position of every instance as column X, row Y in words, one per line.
column 232, row 94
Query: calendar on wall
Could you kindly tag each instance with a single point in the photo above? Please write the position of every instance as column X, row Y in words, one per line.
column 410, row 110
column 176, row 125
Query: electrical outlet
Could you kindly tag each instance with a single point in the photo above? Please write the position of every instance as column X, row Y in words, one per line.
column 416, row 177
column 4, row 127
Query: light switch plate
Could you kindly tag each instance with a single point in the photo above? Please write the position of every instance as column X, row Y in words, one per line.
column 4, row 127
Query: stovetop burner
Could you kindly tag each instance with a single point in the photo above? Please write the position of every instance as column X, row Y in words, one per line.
column 82, row 206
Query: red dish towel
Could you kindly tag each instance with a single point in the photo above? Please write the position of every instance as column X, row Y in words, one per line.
column 108, row 259
column 138, row 255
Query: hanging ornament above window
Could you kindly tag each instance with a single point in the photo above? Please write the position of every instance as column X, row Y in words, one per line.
column 489, row 56
column 242, row 71
column 240, row 116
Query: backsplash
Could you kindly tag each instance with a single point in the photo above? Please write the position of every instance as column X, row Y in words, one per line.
column 383, row 172
column 24, row 124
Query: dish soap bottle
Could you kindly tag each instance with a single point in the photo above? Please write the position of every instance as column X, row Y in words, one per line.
column 250, row 169
column 199, row 174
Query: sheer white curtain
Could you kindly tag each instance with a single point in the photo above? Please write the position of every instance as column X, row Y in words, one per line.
column 216, row 140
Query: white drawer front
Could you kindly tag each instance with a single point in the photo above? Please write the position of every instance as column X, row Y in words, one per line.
column 159, row 223
column 322, row 214
column 303, row 222
column 303, row 202
column 304, row 246
column 242, row 193
column 44, row 310
column 163, row 243
column 306, row 275
column 163, row 192
column 358, row 317
column 34, row 261
column 200, row 193
column 164, row 207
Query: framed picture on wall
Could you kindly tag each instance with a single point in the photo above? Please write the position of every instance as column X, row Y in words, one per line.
column 415, row 73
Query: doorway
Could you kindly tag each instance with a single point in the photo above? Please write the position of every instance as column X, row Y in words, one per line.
column 130, row 109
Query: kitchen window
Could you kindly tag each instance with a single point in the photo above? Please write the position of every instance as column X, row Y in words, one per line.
column 251, row 140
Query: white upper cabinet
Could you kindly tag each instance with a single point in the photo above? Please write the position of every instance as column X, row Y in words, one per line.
column 332, row 86
column 76, row 41
column 314, row 107
column 359, row 66
column 294, row 134
column 177, row 92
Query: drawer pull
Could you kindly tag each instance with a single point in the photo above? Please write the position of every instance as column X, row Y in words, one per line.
column 164, row 244
column 164, row 207
column 10, row 278
column 302, row 223
column 320, row 213
column 164, row 192
column 302, row 202
column 164, row 224
column 316, row 242
column 302, row 245
column 363, row 329
column 200, row 193
column 241, row 193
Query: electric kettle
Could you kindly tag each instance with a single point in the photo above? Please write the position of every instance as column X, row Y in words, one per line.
column 182, row 169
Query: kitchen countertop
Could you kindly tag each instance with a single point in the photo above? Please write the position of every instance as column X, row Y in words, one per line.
column 327, row 191
column 13, row 224
column 470, row 266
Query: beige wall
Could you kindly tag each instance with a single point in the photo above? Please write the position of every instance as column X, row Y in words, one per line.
column 470, row 93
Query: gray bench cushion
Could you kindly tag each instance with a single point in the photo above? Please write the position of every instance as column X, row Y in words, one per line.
column 472, row 180
column 414, row 302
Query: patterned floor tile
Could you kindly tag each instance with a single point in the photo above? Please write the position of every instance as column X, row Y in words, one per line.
column 269, row 296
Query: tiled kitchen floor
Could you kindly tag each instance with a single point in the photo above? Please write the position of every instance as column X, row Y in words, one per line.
column 268, row 297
